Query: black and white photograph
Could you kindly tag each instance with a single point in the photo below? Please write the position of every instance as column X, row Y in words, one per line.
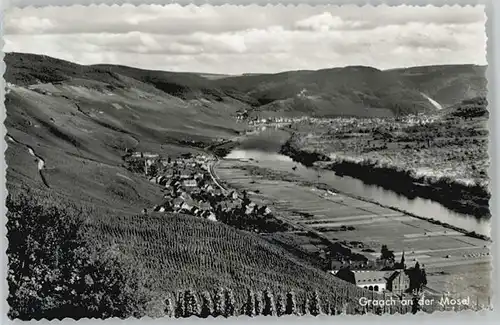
column 208, row 161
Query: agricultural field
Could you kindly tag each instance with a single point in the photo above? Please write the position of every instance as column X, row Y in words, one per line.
column 335, row 229
column 191, row 249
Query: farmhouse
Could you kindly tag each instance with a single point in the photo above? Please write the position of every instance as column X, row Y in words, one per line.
column 162, row 180
column 249, row 210
column 159, row 208
column 187, row 207
column 207, row 187
column 150, row 155
column 264, row 210
column 177, row 202
column 185, row 196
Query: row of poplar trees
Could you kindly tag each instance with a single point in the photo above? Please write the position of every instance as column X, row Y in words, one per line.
column 188, row 303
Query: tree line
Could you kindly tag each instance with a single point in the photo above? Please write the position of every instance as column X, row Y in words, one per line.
column 257, row 303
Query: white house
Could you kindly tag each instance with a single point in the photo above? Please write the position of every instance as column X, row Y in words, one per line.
column 249, row 210
column 395, row 280
column 186, row 206
column 177, row 202
column 368, row 279
column 190, row 183
column 371, row 280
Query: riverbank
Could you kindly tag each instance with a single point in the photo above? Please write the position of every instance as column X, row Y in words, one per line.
column 360, row 224
column 306, row 158
column 462, row 198
column 284, row 176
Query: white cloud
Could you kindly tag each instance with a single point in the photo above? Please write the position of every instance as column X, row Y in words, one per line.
column 31, row 24
column 234, row 39
column 326, row 21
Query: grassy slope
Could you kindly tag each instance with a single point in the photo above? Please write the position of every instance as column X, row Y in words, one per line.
column 82, row 123
column 81, row 120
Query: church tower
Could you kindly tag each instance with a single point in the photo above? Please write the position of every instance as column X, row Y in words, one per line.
column 402, row 265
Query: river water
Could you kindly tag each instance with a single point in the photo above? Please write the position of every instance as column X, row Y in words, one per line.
column 417, row 206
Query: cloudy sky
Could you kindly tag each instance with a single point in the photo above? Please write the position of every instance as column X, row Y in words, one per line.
column 238, row 39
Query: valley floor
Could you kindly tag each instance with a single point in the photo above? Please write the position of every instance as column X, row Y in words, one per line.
column 320, row 217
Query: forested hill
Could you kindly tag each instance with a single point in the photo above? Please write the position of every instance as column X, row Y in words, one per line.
column 351, row 91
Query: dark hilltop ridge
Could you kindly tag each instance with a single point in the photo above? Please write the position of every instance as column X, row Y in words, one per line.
column 71, row 129
column 347, row 91
column 360, row 91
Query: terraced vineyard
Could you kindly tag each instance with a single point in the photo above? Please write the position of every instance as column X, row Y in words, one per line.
column 181, row 252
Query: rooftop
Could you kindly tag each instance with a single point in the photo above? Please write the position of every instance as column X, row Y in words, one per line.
column 371, row 276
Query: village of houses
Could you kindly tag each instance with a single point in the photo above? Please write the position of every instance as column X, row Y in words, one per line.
column 190, row 188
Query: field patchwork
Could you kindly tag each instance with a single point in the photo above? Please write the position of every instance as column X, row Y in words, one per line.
column 364, row 227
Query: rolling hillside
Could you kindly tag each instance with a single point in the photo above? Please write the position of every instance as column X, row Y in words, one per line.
column 447, row 84
column 81, row 119
column 360, row 91
column 204, row 255
column 355, row 91
column 146, row 260
column 347, row 91
column 69, row 126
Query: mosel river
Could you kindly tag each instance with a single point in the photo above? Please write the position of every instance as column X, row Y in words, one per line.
column 417, row 206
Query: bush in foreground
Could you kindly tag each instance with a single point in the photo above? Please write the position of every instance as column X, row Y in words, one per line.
column 54, row 274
